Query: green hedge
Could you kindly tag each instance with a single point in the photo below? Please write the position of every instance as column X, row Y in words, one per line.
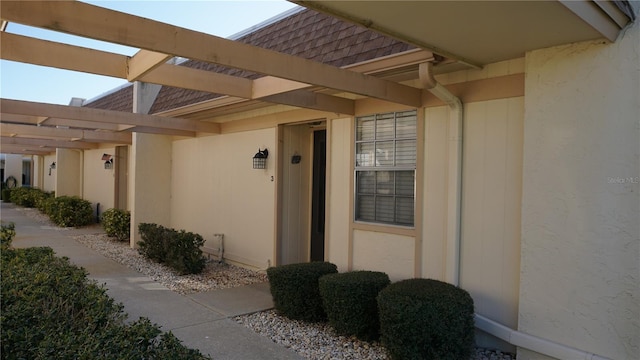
column 46, row 202
column 6, row 195
column 349, row 300
column 177, row 249
column 295, row 289
column 67, row 211
column 25, row 196
column 7, row 232
column 426, row 319
column 51, row 311
column 116, row 223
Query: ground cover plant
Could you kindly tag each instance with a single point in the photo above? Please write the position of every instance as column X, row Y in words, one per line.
column 295, row 289
column 51, row 310
column 177, row 249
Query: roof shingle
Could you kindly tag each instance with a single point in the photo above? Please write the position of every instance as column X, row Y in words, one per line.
column 307, row 34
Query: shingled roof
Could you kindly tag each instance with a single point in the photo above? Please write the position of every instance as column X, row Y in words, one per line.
column 307, row 34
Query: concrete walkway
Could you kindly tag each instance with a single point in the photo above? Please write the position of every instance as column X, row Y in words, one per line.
column 202, row 320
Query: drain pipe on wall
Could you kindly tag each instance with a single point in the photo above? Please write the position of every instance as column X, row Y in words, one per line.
column 454, row 173
column 454, row 205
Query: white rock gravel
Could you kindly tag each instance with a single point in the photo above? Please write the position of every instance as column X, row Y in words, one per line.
column 214, row 276
column 320, row 341
column 312, row 341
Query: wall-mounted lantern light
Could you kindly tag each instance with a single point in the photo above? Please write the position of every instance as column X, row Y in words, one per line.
column 260, row 159
column 52, row 167
column 108, row 161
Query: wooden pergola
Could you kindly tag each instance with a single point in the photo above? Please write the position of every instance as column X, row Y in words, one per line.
column 33, row 128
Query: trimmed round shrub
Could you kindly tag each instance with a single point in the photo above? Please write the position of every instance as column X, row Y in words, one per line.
column 70, row 211
column 295, row 290
column 116, row 223
column 177, row 249
column 349, row 300
column 426, row 319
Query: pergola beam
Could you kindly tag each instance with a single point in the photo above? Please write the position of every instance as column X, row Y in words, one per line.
column 34, row 51
column 25, row 150
column 76, row 124
column 90, row 21
column 158, row 131
column 143, row 62
column 70, row 134
column 63, row 56
column 48, row 143
column 104, row 116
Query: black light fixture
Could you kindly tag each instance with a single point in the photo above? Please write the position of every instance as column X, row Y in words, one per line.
column 52, row 167
column 108, row 161
column 260, row 159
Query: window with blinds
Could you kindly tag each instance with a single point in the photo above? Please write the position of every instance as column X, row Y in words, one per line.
column 385, row 168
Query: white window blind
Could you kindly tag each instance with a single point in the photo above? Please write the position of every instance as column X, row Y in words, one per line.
column 385, row 168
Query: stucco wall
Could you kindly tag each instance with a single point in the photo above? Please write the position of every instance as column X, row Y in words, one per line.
column 13, row 167
column 150, row 181
column 580, row 228
column 68, row 172
column 216, row 190
column 49, row 181
column 98, row 181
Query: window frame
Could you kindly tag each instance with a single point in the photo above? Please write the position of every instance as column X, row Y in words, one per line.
column 393, row 169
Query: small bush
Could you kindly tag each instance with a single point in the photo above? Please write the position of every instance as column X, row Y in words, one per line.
column 116, row 223
column 51, row 311
column 67, row 211
column 295, row 289
column 177, row 249
column 45, row 203
column 6, row 195
column 426, row 319
column 7, row 233
column 25, row 196
column 349, row 300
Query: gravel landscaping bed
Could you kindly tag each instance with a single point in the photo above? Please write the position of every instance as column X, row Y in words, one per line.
column 214, row 276
column 312, row 341
column 320, row 341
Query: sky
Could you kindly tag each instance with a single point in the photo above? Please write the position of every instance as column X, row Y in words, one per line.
column 55, row 86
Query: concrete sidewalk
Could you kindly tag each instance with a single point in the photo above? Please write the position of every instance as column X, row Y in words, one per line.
column 202, row 320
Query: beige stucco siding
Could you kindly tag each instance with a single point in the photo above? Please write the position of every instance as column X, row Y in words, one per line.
column 49, row 178
column 69, row 172
column 98, row 181
column 13, row 167
column 580, row 228
column 150, row 181
column 215, row 190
